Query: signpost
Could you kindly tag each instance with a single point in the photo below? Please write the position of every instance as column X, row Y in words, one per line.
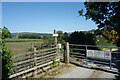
column 55, row 35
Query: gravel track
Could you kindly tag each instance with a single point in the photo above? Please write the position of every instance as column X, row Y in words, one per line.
column 79, row 72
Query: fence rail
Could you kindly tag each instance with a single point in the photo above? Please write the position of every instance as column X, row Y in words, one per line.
column 93, row 46
column 29, row 61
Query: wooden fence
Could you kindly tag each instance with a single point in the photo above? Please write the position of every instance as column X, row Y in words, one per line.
column 32, row 61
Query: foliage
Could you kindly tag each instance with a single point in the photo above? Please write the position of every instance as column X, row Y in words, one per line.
column 65, row 37
column 101, row 41
column 104, row 14
column 48, row 40
column 6, row 33
column 59, row 32
column 6, row 57
column 30, row 37
column 59, row 38
column 82, row 38
column 110, row 35
column 6, row 62
column 62, row 37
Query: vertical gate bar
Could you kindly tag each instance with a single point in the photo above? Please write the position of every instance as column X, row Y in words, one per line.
column 86, row 55
column 111, row 58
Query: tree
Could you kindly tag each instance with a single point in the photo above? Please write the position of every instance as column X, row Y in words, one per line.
column 60, row 37
column 104, row 14
column 60, row 34
column 110, row 35
column 65, row 36
column 82, row 38
column 6, row 33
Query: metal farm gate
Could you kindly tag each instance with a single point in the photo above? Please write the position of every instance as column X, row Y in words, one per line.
column 103, row 57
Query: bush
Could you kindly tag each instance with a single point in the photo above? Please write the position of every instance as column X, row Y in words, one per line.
column 7, row 67
column 6, row 61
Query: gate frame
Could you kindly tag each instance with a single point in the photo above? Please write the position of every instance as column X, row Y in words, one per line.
column 66, row 52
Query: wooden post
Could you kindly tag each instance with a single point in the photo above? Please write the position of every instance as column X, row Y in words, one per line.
column 35, row 71
column 66, row 53
column 55, row 32
column 32, row 46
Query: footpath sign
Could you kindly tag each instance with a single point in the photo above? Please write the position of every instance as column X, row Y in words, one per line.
column 55, row 35
column 107, row 55
column 99, row 54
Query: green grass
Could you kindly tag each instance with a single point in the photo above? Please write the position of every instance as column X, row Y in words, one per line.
column 23, row 45
column 20, row 45
column 23, row 40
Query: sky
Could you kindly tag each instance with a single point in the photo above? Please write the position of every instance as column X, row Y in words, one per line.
column 44, row 17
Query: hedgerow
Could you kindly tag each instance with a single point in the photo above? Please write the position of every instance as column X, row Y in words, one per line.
column 7, row 67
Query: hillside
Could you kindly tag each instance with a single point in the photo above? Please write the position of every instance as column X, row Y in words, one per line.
column 30, row 33
column 41, row 34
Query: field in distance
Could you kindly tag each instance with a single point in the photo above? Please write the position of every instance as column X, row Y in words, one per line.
column 21, row 45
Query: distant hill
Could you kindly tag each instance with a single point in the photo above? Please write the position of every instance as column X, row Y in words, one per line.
column 14, row 35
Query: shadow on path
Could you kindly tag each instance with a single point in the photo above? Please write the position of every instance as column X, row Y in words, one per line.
column 116, row 55
column 115, row 59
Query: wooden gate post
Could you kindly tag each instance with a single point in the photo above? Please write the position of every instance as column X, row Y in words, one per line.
column 66, row 53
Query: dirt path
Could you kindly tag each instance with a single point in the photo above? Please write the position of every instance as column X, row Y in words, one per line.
column 73, row 71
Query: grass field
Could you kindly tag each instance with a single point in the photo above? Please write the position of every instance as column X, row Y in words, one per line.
column 23, row 45
column 23, row 40
column 20, row 45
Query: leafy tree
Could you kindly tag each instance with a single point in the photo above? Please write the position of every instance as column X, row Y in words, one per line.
column 65, row 36
column 104, row 14
column 59, row 32
column 6, row 33
column 60, row 37
column 110, row 35
column 82, row 38
column 7, row 67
